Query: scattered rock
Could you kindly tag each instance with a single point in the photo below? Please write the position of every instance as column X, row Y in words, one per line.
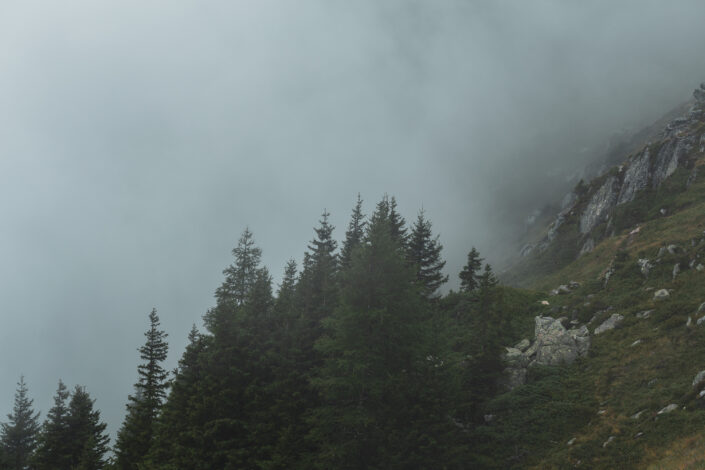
column 661, row 294
column 563, row 289
column 663, row 211
column 699, row 378
column 638, row 435
column 701, row 394
column 545, row 302
column 601, row 412
column 614, row 320
column 645, row 314
column 676, row 270
column 608, row 441
column 523, row 345
column 701, row 309
column 689, row 323
column 668, row 409
column 489, row 418
column 700, row 268
column 700, row 321
column 638, row 415
column 652, row 382
column 573, row 285
column 673, row 249
column 571, row 442
column 635, row 343
column 661, row 252
column 644, row 266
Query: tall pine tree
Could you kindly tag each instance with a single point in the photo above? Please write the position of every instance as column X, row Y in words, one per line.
column 137, row 432
column 53, row 451
column 354, row 234
column 18, row 436
column 240, row 277
column 469, row 276
column 424, row 252
column 85, row 434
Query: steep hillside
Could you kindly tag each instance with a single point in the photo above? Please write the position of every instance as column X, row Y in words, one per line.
column 614, row 381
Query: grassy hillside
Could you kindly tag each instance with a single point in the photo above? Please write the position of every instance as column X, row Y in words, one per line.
column 602, row 411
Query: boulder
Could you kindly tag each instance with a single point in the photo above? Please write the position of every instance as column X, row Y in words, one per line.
column 700, row 268
column 614, row 320
column 661, row 294
column 701, row 309
column 645, row 314
column 523, row 345
column 638, row 415
column 555, row 345
column 700, row 321
column 676, row 270
column 699, row 378
column 644, row 266
column 668, row 409
column 673, row 249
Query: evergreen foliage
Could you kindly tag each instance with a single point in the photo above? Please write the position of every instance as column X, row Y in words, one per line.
column 354, row 235
column 240, row 277
column 18, row 436
column 424, row 252
column 137, row 432
column 469, row 276
column 85, row 436
column 53, row 451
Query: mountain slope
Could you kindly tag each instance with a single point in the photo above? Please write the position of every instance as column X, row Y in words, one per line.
column 630, row 233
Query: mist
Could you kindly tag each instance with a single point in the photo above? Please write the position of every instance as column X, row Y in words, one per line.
column 138, row 140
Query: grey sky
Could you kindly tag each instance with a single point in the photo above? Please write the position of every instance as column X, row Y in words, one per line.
column 138, row 139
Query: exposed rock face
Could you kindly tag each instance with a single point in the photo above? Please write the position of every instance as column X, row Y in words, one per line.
column 601, row 202
column 636, row 177
column 671, row 154
column 609, row 324
column 588, row 246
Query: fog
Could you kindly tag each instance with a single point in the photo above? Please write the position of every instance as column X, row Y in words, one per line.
column 137, row 141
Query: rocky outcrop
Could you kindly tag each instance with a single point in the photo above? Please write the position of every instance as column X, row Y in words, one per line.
column 553, row 345
column 636, row 177
column 600, row 204
column 669, row 157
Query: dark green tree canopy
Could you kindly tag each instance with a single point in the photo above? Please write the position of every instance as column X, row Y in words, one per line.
column 18, row 436
column 469, row 276
column 137, row 432
column 424, row 252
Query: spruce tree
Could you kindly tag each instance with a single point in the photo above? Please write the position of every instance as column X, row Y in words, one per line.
column 284, row 306
column 424, row 252
column 469, row 276
column 375, row 411
column 53, row 452
column 136, row 434
column 354, row 234
column 240, row 276
column 18, row 436
column 85, row 434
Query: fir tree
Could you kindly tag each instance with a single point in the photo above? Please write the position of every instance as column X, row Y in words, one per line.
column 354, row 235
column 85, row 434
column 284, row 306
column 240, row 277
column 469, row 276
column 53, row 451
column 136, row 435
column 375, row 413
column 424, row 252
column 18, row 436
